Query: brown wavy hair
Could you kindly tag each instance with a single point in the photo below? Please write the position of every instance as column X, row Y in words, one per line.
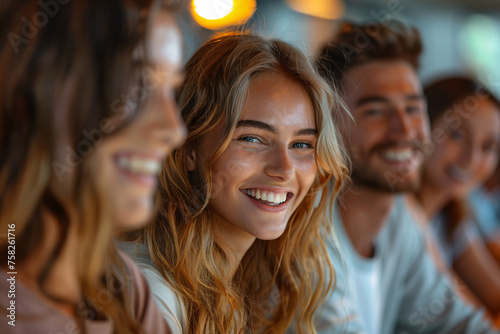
column 278, row 281
column 88, row 46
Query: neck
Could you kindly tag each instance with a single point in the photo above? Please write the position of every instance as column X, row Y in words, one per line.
column 364, row 212
column 238, row 242
column 432, row 199
column 62, row 281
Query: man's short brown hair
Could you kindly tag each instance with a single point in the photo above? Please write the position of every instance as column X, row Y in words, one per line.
column 357, row 44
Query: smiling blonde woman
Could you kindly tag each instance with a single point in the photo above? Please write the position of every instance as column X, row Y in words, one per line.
column 237, row 246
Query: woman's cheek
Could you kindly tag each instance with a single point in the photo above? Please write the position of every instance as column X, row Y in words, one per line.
column 307, row 168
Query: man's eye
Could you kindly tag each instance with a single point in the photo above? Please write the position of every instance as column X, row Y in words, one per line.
column 373, row 112
column 413, row 110
column 457, row 135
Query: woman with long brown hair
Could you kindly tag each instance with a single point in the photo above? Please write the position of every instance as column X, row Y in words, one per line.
column 465, row 123
column 87, row 114
column 237, row 245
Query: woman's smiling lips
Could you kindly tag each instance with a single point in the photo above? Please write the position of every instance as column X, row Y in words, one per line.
column 140, row 167
column 269, row 198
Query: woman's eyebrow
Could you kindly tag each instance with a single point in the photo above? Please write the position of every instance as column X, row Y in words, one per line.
column 258, row 125
column 272, row 129
column 306, row 132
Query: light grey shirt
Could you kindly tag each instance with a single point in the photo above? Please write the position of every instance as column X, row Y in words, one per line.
column 414, row 296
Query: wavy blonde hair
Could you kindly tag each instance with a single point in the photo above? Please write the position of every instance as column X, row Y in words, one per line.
column 89, row 44
column 277, row 280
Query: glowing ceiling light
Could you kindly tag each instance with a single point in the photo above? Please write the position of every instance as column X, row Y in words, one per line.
column 216, row 14
column 213, row 10
column 324, row 9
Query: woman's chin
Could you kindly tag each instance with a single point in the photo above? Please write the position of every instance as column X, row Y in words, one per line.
column 134, row 216
column 271, row 234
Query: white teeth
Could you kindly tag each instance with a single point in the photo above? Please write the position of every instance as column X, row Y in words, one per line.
column 267, row 196
column 139, row 165
column 398, row 155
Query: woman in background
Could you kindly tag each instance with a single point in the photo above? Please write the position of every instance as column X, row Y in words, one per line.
column 84, row 126
column 465, row 122
column 237, row 245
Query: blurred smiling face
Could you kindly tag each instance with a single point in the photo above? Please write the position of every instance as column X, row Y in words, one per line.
column 269, row 165
column 469, row 152
column 127, row 163
column 390, row 125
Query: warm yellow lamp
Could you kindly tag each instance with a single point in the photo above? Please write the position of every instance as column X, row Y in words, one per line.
column 217, row 14
column 324, row 9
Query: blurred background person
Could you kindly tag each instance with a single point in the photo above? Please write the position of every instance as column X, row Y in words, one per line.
column 465, row 125
column 388, row 283
column 84, row 126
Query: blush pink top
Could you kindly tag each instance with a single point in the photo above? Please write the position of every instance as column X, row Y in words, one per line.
column 33, row 315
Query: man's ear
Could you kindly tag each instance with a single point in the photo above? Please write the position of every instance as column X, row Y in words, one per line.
column 191, row 161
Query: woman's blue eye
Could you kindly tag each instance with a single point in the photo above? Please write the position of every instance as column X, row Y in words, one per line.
column 249, row 139
column 302, row 145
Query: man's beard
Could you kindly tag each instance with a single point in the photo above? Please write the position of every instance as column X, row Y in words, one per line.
column 387, row 181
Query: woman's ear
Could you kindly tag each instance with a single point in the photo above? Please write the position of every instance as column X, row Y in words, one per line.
column 191, row 161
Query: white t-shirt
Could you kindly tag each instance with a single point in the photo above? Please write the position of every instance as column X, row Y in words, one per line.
column 364, row 283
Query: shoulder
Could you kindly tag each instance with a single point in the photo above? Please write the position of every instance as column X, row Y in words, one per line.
column 402, row 222
column 25, row 311
column 142, row 303
column 170, row 305
column 401, row 233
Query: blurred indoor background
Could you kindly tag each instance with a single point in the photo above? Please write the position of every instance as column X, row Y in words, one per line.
column 460, row 36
